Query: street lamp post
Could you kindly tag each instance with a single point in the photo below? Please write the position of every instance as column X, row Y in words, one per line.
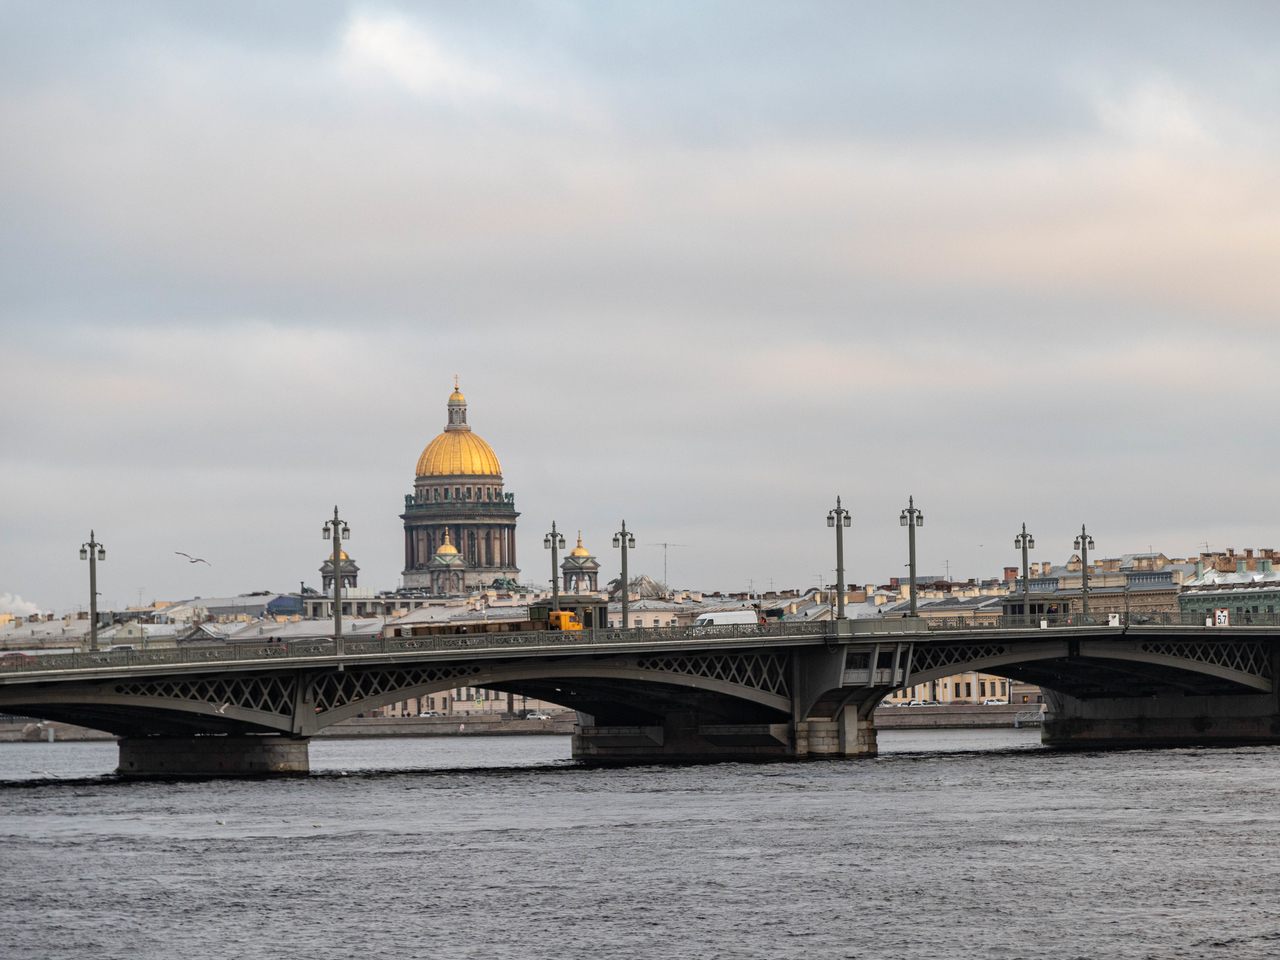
column 839, row 518
column 1027, row 542
column 626, row 541
column 555, row 543
column 337, row 530
column 93, row 552
column 1084, row 543
column 912, row 518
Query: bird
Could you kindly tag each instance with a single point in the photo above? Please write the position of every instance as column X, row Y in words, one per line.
column 193, row 559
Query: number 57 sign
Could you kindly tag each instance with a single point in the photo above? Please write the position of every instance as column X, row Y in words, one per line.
column 1221, row 618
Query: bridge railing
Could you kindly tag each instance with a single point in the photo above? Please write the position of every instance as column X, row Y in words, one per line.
column 214, row 653
column 992, row 621
column 197, row 653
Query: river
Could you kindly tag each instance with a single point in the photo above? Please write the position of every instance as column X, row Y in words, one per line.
column 951, row 844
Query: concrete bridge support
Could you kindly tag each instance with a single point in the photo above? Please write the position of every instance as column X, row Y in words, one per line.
column 212, row 756
column 680, row 738
column 1175, row 721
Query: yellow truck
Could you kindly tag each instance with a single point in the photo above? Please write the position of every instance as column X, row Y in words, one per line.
column 564, row 620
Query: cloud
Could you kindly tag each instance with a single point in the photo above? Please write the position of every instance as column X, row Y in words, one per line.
column 747, row 262
column 12, row 603
column 394, row 48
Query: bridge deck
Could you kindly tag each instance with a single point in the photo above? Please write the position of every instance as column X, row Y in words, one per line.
column 323, row 653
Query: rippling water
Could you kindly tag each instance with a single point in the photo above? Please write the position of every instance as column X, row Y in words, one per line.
column 952, row 844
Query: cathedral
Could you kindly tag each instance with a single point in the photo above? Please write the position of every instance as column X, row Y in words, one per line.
column 459, row 525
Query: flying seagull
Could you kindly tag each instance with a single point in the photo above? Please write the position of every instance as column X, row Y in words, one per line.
column 193, row 559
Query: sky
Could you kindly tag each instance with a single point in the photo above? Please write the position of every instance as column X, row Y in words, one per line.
column 700, row 266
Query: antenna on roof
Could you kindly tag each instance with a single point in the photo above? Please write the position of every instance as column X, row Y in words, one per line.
column 664, row 556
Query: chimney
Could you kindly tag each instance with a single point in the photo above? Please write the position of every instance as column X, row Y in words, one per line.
column 1199, row 568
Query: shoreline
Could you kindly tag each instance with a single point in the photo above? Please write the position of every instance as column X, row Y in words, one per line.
column 962, row 716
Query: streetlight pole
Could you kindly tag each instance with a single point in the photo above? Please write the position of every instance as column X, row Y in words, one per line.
column 93, row 552
column 555, row 543
column 625, row 541
column 1084, row 543
column 337, row 531
column 1027, row 542
column 912, row 518
column 839, row 518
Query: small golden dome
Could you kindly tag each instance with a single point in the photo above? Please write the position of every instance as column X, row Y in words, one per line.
column 343, row 553
column 580, row 550
column 447, row 547
column 457, row 397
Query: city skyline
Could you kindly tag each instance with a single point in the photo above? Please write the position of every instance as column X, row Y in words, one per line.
column 698, row 271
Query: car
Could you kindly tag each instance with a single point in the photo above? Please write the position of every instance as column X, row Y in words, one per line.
column 122, row 646
column 932, row 703
column 16, row 659
column 537, row 716
column 993, row 702
column 428, row 713
column 914, row 703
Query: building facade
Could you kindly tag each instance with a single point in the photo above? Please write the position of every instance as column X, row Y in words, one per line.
column 458, row 510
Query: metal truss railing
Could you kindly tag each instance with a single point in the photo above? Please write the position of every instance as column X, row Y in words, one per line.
column 1052, row 621
column 292, row 650
column 297, row 650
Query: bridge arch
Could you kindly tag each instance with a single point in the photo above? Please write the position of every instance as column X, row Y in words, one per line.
column 1241, row 664
column 755, row 678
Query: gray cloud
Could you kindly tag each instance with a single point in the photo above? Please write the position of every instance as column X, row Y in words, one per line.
column 1016, row 261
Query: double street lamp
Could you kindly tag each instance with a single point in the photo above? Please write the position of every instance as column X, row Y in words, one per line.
column 627, row 542
column 337, row 530
column 1084, row 543
column 555, row 543
column 912, row 518
column 1027, row 542
column 839, row 518
column 93, row 552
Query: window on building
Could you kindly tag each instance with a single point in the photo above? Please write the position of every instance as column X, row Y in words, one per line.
column 468, row 493
column 968, row 689
column 638, row 622
column 658, row 623
column 982, row 688
column 446, row 493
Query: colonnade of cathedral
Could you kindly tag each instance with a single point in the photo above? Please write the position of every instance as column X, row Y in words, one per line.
column 481, row 545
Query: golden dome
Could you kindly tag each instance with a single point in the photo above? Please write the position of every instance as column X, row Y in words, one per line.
column 447, row 547
column 580, row 550
column 342, row 553
column 458, row 451
column 454, row 453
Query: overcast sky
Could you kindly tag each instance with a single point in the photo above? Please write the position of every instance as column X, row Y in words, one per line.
column 700, row 266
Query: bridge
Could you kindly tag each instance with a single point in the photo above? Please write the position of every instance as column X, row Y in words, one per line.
column 769, row 692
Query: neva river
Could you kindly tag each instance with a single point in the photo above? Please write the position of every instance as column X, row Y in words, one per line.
column 951, row 844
